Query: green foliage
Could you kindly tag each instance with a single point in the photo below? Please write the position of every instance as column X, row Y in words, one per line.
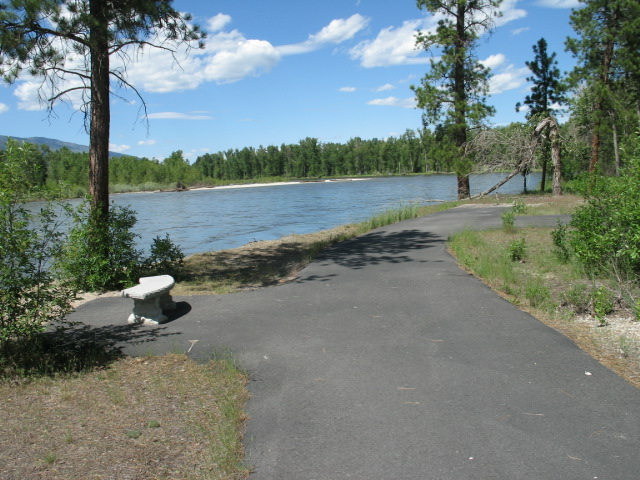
column 602, row 304
column 560, row 237
column 519, row 206
column 112, row 266
column 114, row 262
column 517, row 250
column 508, row 220
column 606, row 230
column 30, row 295
column 165, row 258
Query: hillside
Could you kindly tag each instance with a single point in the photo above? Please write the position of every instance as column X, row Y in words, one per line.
column 53, row 144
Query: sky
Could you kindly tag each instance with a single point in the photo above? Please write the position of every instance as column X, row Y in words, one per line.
column 275, row 72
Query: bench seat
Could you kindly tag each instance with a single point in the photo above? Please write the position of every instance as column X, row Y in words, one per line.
column 150, row 297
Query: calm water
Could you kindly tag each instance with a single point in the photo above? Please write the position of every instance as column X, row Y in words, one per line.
column 215, row 219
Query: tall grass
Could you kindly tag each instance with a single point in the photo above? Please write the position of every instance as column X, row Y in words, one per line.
column 536, row 278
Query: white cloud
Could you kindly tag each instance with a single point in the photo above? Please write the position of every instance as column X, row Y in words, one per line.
column 27, row 93
column 509, row 78
column 3, row 108
column 392, row 46
column 509, row 13
column 338, row 31
column 347, row 89
column 384, row 88
column 147, row 142
column 218, row 22
column 494, row 61
column 229, row 56
column 559, row 3
column 247, row 58
column 177, row 116
column 394, row 102
column 518, row 31
column 397, row 45
column 118, row 148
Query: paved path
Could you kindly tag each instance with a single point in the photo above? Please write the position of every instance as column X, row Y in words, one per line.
column 386, row 361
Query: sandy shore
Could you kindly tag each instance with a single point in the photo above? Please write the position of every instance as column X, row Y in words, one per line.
column 277, row 184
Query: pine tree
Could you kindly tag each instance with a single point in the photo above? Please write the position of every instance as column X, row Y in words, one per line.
column 607, row 53
column 453, row 93
column 547, row 91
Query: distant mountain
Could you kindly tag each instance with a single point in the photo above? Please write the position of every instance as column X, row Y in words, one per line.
column 52, row 144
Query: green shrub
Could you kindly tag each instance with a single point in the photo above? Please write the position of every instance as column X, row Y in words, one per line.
column 519, row 206
column 31, row 297
column 561, row 242
column 508, row 220
column 606, row 230
column 517, row 250
column 91, row 266
column 165, row 258
column 602, row 304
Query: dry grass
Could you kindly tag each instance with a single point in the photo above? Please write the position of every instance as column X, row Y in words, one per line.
column 142, row 418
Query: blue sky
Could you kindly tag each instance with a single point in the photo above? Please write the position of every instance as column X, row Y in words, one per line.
column 278, row 71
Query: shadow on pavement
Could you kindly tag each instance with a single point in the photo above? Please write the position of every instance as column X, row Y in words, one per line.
column 379, row 247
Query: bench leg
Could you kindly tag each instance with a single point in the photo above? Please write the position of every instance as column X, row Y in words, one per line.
column 149, row 312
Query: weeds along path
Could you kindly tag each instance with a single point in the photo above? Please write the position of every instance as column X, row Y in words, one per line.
column 385, row 360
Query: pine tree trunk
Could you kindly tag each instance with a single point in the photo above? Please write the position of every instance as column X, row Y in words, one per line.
column 100, row 113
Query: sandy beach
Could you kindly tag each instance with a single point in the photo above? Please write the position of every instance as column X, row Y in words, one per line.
column 276, row 184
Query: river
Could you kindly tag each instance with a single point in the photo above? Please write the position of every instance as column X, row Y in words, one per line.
column 220, row 218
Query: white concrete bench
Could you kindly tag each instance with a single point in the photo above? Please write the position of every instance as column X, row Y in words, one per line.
column 150, row 298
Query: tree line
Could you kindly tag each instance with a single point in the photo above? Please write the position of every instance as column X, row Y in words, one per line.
column 415, row 151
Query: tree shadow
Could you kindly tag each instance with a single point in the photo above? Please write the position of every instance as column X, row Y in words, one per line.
column 379, row 247
column 71, row 348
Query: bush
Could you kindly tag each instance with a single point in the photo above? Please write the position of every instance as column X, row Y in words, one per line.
column 517, row 250
column 30, row 294
column 165, row 258
column 606, row 236
column 110, row 267
column 519, row 206
column 118, row 263
column 561, row 242
column 508, row 220
column 602, row 304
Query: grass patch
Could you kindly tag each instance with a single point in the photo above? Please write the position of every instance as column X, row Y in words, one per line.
column 524, row 267
column 174, row 418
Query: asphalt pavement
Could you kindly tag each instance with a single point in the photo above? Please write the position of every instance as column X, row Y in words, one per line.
column 385, row 360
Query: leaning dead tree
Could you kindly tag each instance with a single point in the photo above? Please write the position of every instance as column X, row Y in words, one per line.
column 496, row 149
